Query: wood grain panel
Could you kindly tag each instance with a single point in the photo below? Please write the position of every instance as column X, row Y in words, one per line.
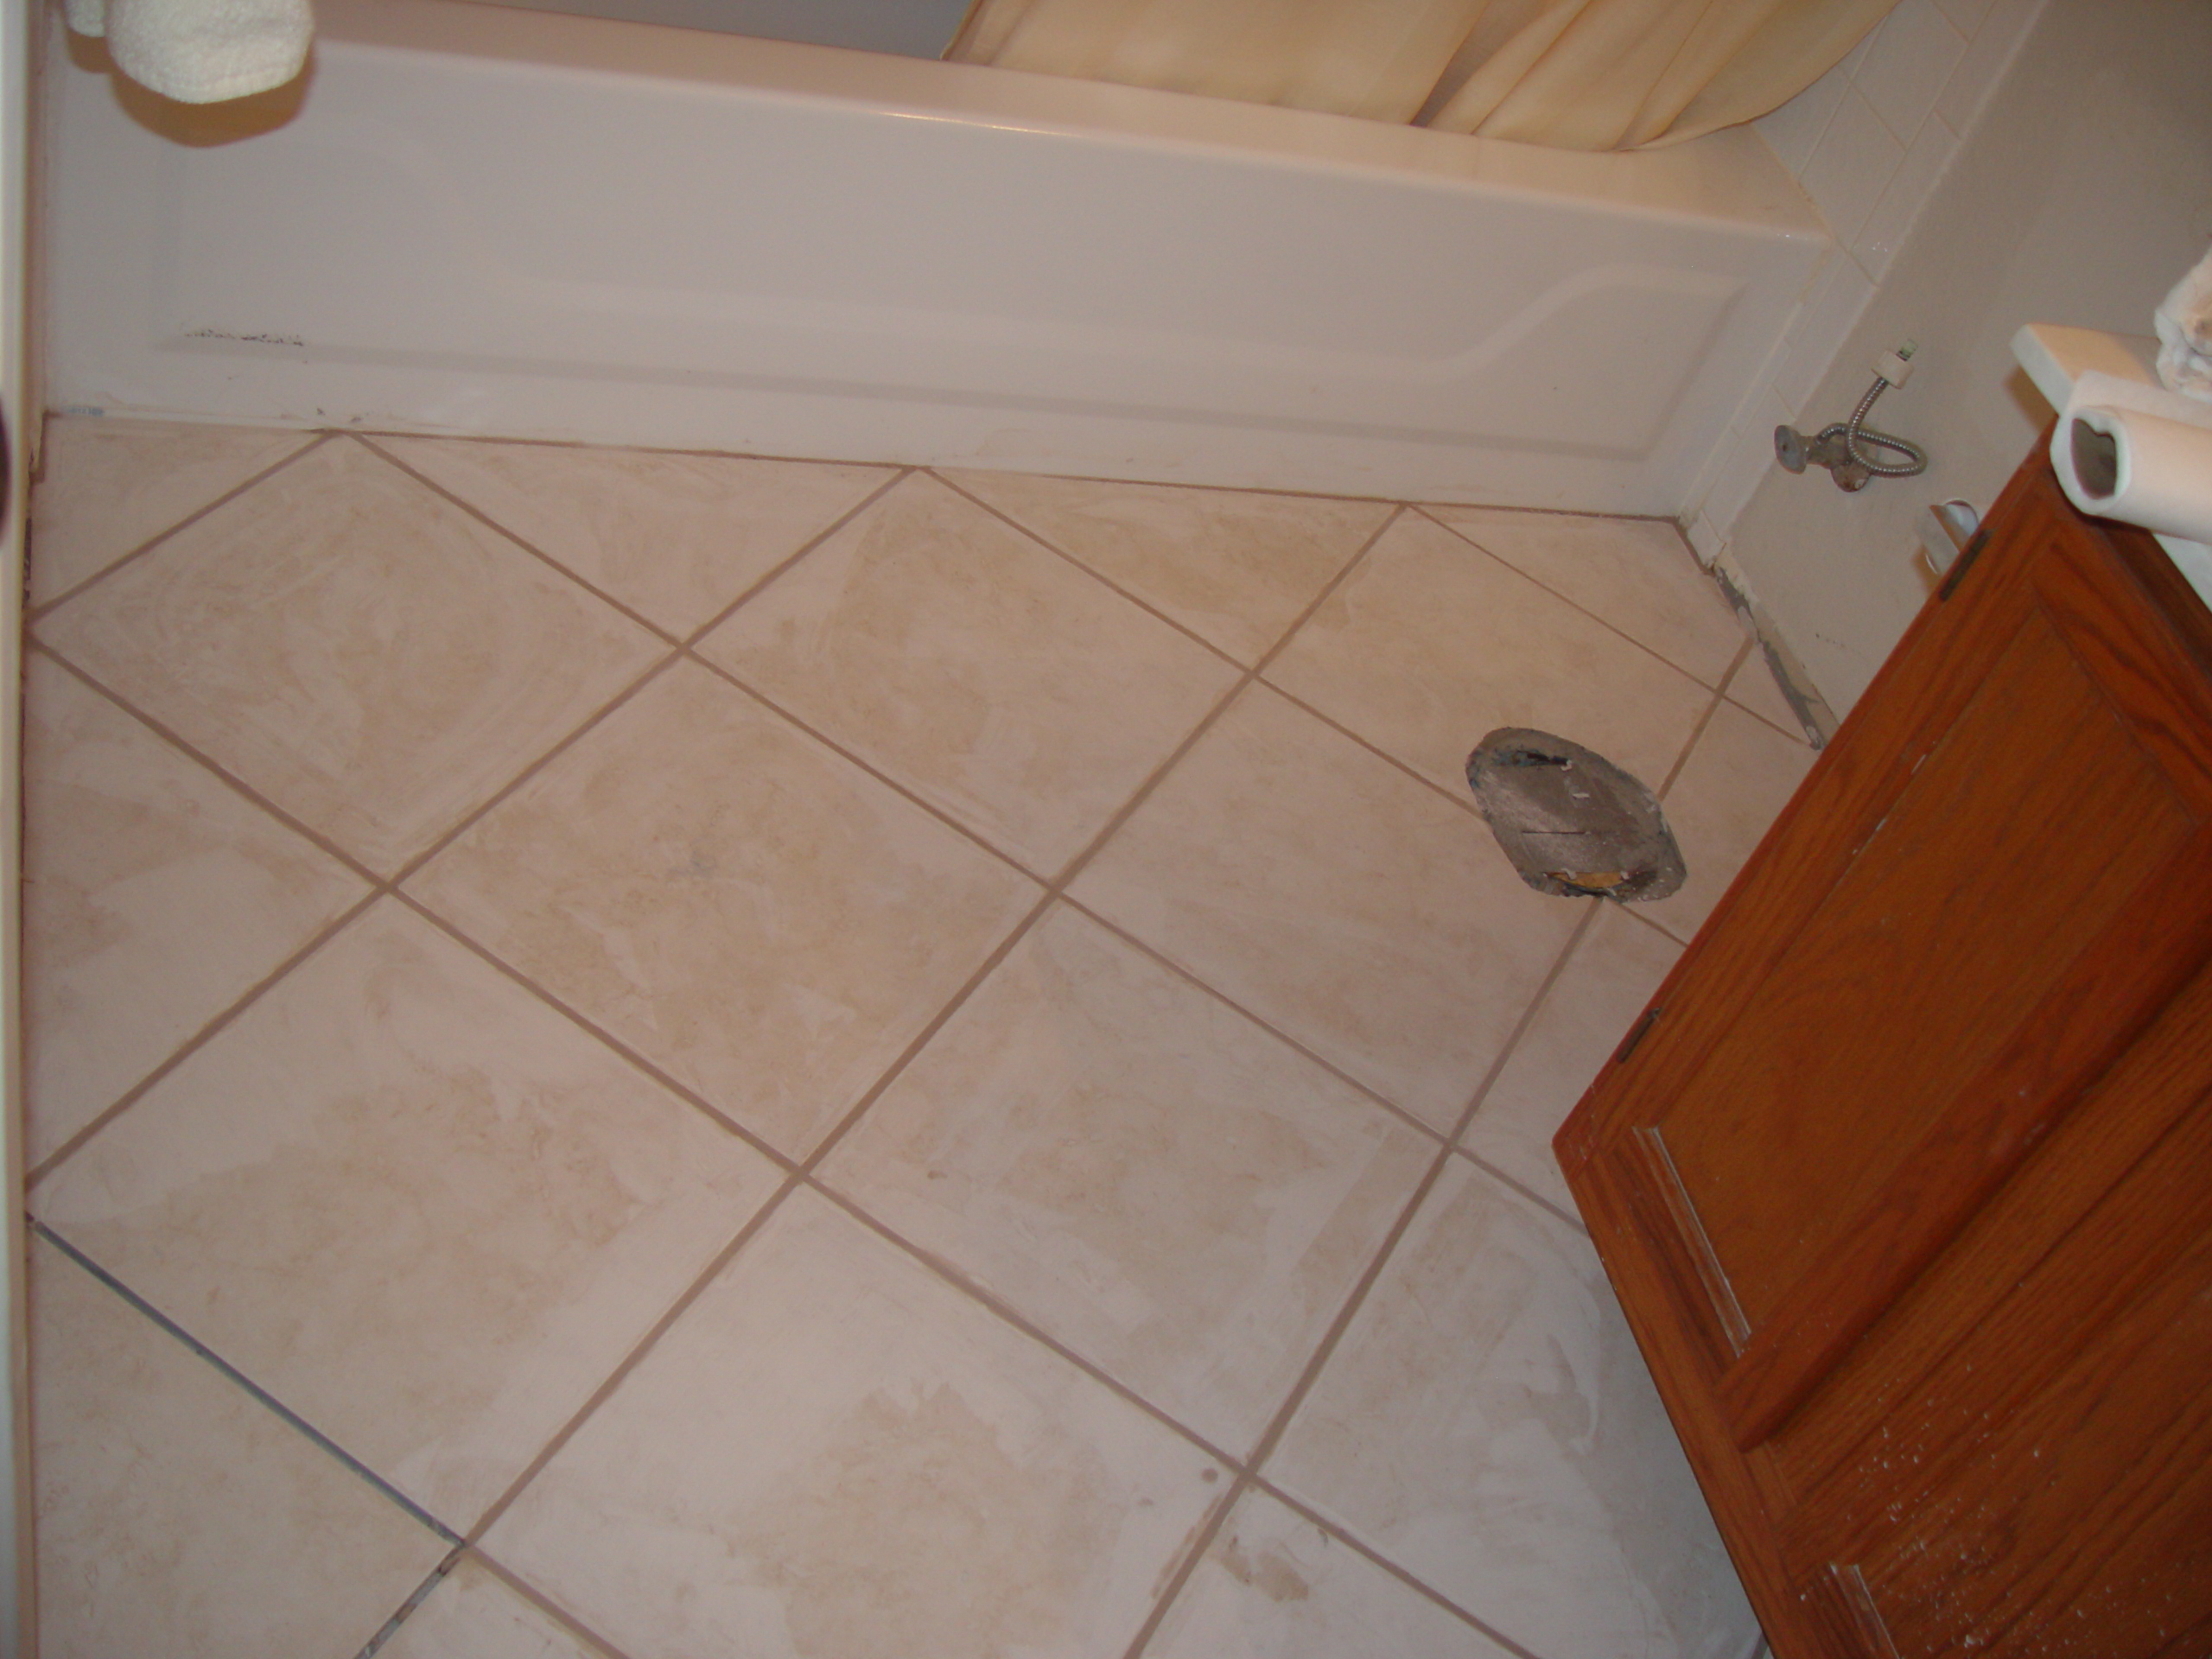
column 1982, row 884
column 2130, row 1170
column 1915, row 1174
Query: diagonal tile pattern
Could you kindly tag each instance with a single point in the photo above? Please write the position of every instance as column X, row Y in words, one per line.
column 749, row 910
column 1155, row 1180
column 1637, row 575
column 916, row 1125
column 998, row 683
column 427, row 1212
column 1487, row 1423
column 346, row 642
column 1235, row 566
column 1355, row 909
column 111, row 486
column 675, row 538
column 1433, row 643
column 155, row 896
column 174, row 1513
column 935, row 1484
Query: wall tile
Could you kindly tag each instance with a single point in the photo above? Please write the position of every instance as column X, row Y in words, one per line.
column 1911, row 60
column 1827, row 320
column 1793, row 130
column 1898, row 210
column 2003, row 24
column 1966, row 16
column 1851, row 167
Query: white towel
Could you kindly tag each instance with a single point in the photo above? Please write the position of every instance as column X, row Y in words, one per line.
column 2183, row 320
column 202, row 51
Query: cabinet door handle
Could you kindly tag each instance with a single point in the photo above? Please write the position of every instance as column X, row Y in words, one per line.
column 1636, row 1035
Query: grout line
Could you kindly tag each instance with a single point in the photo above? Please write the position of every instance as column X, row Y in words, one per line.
column 1141, row 603
column 1464, row 802
column 636, row 1357
column 545, row 1603
column 664, row 635
column 1521, row 1026
column 682, row 1090
column 1359, row 557
column 412, row 866
column 1523, row 1188
column 1527, row 1019
column 260, row 1394
column 1359, row 1547
column 421, row 1593
column 1704, row 720
column 952, row 1275
column 1324, row 1352
column 1380, row 1100
column 1636, row 914
column 907, row 1057
column 299, row 827
column 904, row 790
column 1703, row 575
column 803, row 548
column 198, row 1040
column 1279, row 1423
column 34, row 612
column 1796, row 734
column 1201, row 1542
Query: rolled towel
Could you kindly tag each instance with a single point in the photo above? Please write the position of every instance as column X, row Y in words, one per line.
column 2183, row 320
column 202, row 51
column 2127, row 450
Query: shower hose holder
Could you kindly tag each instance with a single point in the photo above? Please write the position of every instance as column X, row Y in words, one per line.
column 1844, row 447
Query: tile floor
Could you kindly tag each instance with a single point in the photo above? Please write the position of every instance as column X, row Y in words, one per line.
column 637, row 1054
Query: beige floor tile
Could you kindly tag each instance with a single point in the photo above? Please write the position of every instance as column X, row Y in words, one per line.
column 1320, row 887
column 155, row 896
column 747, row 908
column 418, row 1206
column 1273, row 1586
column 833, row 1454
column 1431, row 644
column 1735, row 783
column 1616, row 967
column 177, row 1515
column 675, row 538
column 110, row 486
column 1753, row 688
column 1178, row 1196
column 1487, row 1423
column 1235, row 567
column 1637, row 574
column 354, row 647
column 474, row 1615
column 1000, row 682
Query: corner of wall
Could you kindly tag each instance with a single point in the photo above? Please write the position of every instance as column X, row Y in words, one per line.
column 1868, row 142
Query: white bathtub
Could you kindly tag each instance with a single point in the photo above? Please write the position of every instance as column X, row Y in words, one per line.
column 486, row 220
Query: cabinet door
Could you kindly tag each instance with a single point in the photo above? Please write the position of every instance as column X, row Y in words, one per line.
column 1983, row 897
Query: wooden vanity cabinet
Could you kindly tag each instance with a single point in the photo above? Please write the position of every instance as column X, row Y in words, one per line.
column 1904, row 1178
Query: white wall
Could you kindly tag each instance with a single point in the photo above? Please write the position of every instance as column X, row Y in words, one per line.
column 2083, row 191
column 1869, row 142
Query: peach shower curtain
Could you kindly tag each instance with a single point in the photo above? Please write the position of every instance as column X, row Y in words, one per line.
column 1580, row 74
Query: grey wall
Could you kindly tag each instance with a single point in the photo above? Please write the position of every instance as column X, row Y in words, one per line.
column 2083, row 193
column 915, row 28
